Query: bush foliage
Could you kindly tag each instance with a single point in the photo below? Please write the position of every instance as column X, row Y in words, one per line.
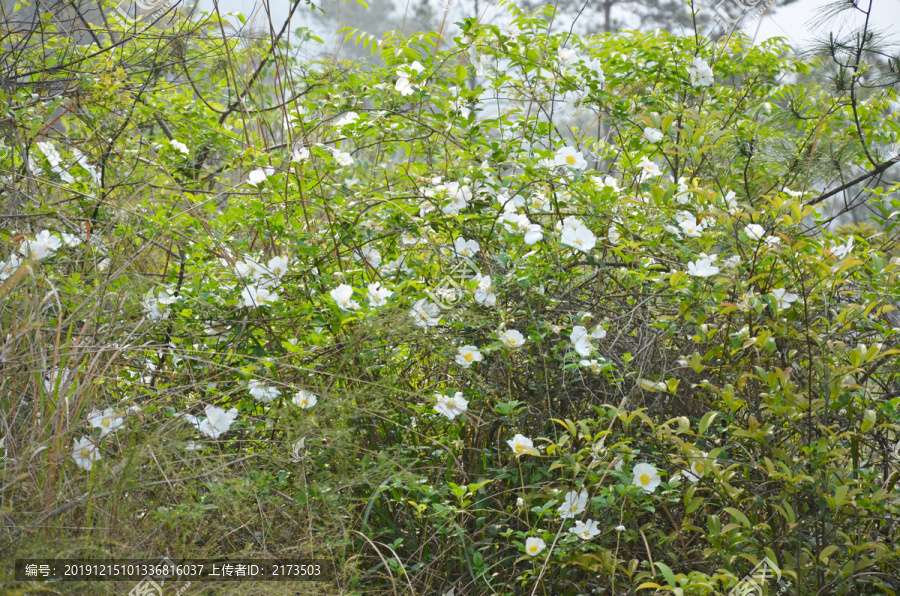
column 513, row 313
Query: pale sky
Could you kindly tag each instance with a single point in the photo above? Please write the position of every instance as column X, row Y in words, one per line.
column 793, row 21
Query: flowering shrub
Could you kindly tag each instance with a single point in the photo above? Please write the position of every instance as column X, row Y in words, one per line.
column 523, row 351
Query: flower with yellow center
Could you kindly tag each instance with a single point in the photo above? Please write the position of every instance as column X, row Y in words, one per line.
column 533, row 546
column 698, row 468
column 573, row 504
column 512, row 338
column 305, row 399
column 466, row 355
column 570, row 157
column 646, row 477
column 107, row 421
column 85, row 453
column 520, row 444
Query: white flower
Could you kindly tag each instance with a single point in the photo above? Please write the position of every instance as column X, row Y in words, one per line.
column 262, row 392
column 248, row 268
column 534, row 546
column 343, row 295
column 698, row 469
column 465, row 248
column 299, row 153
column 520, row 502
column 701, row 73
column 257, row 296
column 410, row 69
column 754, row 231
column 646, row 477
column 466, row 355
column 598, row 70
column 586, row 530
column 217, row 422
column 772, row 241
column 533, row 234
column 371, row 255
column 690, row 227
column 573, row 504
column 398, row 264
column 10, row 266
column 598, row 332
column 179, row 146
column 483, row 294
column 581, row 341
column 732, row 262
column 71, row 240
column 404, row 87
column 512, row 338
column 451, row 407
column 304, row 399
column 277, row 266
column 478, row 61
column 510, row 204
column 580, row 237
column 613, row 234
column 520, row 444
column 85, row 453
column 702, row 268
column 648, row 169
column 539, row 201
column 682, row 194
column 378, row 295
column 606, row 182
column 341, row 157
column 43, row 245
column 260, row 175
column 842, row 250
column 784, row 298
column 107, row 421
column 459, row 197
column 570, row 157
column 425, row 314
column 653, row 135
column 157, row 306
column 514, row 222
column 730, row 202
column 595, row 365
column 568, row 56
column 348, row 118
column 620, row 528
column 570, row 222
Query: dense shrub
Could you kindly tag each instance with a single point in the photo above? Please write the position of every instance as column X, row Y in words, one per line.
column 524, row 313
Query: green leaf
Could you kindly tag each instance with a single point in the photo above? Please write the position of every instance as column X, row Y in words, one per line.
column 707, row 420
column 738, row 516
column 869, row 420
column 840, row 496
column 694, row 504
column 670, row 577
